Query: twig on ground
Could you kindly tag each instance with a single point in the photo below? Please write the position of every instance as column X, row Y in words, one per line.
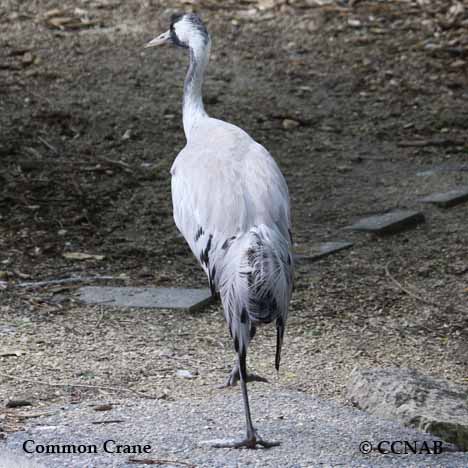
column 102, row 387
column 120, row 164
column 408, row 291
column 417, row 296
column 151, row 461
column 35, row 153
column 109, row 421
column 51, row 147
column 369, row 158
column 78, row 279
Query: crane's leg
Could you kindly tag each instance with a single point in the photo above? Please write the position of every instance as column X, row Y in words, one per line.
column 234, row 375
column 252, row 439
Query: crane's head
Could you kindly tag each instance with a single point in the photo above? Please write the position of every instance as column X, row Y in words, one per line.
column 186, row 31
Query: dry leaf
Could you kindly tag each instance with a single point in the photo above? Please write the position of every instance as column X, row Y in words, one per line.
column 62, row 19
column 53, row 12
column 59, row 22
column 106, row 407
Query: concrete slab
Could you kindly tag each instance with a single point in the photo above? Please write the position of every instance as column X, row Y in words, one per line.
column 320, row 250
column 312, row 432
column 447, row 199
column 154, row 298
column 389, row 223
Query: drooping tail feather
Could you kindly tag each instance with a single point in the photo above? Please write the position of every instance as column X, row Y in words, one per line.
column 279, row 341
column 256, row 283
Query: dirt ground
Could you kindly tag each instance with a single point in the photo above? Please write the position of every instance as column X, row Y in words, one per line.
column 357, row 101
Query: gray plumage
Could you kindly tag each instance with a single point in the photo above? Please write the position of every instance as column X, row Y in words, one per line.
column 231, row 204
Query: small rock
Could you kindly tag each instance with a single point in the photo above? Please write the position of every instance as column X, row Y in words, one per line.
column 27, row 59
column 355, row 23
column 458, row 64
column 127, row 135
column 185, row 374
column 266, row 4
column 289, row 124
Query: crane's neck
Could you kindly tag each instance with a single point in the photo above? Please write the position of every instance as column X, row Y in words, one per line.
column 193, row 110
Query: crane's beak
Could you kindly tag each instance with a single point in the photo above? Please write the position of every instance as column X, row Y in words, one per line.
column 160, row 40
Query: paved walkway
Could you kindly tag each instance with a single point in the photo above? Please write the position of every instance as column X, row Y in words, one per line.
column 312, row 432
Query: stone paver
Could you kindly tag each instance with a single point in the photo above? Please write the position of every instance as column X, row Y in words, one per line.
column 318, row 251
column 157, row 298
column 389, row 223
column 448, row 199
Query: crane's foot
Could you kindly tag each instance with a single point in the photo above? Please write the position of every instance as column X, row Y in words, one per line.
column 251, row 442
column 234, row 377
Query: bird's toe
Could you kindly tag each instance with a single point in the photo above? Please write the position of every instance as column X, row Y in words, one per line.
column 251, row 442
column 232, row 379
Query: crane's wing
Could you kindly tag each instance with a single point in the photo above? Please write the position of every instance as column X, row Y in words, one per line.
column 220, row 191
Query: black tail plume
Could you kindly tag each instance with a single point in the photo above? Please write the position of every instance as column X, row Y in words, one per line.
column 279, row 341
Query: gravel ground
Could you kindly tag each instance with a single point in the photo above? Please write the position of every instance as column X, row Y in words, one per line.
column 91, row 124
column 313, row 432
